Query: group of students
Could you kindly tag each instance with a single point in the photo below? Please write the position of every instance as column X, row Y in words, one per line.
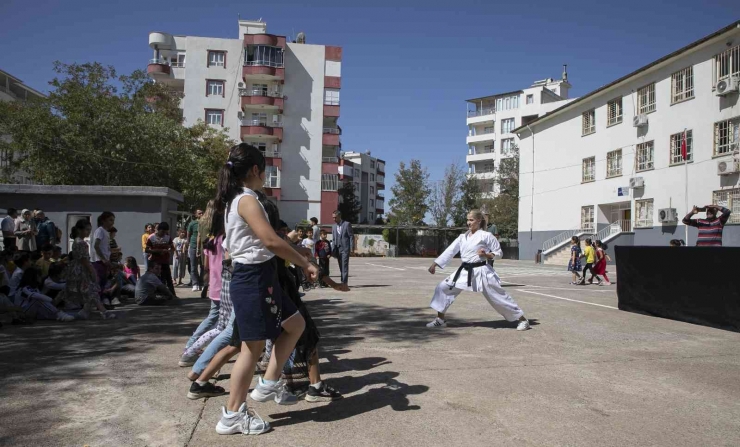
column 256, row 308
column 596, row 258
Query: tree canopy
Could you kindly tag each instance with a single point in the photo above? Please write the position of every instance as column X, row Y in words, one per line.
column 409, row 203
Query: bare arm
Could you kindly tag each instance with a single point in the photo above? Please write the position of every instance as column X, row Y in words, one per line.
column 687, row 220
column 99, row 252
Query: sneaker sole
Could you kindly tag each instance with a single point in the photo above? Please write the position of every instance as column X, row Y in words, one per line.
column 441, row 325
column 233, row 430
column 524, row 329
column 182, row 364
column 259, row 397
column 321, row 398
column 196, row 396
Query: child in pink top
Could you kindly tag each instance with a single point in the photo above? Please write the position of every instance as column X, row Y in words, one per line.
column 131, row 269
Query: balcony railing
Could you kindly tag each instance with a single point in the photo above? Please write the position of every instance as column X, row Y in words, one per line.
column 381, row 167
column 272, row 153
column 7, row 91
column 331, row 102
column 481, row 112
column 159, row 61
column 330, row 159
column 333, row 130
column 264, row 63
column 259, row 92
column 246, row 122
column 380, row 179
column 177, row 64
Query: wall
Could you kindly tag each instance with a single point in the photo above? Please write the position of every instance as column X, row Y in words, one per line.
column 560, row 149
column 196, row 72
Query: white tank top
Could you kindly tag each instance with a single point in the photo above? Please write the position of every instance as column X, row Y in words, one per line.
column 240, row 241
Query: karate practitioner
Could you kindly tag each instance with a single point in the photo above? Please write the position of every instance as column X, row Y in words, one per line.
column 475, row 247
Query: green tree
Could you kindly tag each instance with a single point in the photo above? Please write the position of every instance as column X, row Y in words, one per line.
column 444, row 194
column 469, row 199
column 99, row 128
column 409, row 202
column 349, row 206
column 504, row 208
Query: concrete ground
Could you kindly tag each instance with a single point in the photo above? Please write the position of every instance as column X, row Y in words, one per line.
column 586, row 374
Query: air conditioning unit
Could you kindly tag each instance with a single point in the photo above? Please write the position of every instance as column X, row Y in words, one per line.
column 637, row 182
column 727, row 86
column 726, row 167
column 240, row 115
column 667, row 215
column 242, row 85
column 640, row 120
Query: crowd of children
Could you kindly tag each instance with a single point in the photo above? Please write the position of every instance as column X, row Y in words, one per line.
column 596, row 258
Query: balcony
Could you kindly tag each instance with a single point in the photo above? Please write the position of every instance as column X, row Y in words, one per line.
column 481, row 116
column 261, row 129
column 264, row 39
column 331, row 108
column 381, row 168
column 331, row 136
column 486, row 153
column 330, row 160
column 264, row 69
column 261, row 99
column 158, row 69
column 478, row 137
column 273, row 152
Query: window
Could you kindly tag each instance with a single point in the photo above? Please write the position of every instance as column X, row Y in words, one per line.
column 530, row 99
column 214, row 88
column 487, row 130
column 272, row 177
column 372, row 164
column 587, row 218
column 484, row 168
column 329, row 182
column 331, row 97
column 372, row 190
column 730, row 199
column 644, row 213
column 614, row 163
column 682, row 85
column 644, row 154
column 259, row 89
column 726, row 136
column 5, row 158
column 508, row 103
column 487, row 150
column 646, row 99
column 507, row 125
column 372, row 216
column 372, row 203
column 215, row 117
column 217, row 59
column 178, row 61
column 676, row 139
column 372, row 177
column 589, row 122
column 263, row 55
column 357, row 174
column 727, row 64
column 614, row 112
column 507, row 144
column 588, row 173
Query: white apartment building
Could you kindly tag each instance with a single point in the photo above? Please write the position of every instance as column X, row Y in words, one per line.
column 280, row 96
column 13, row 89
column 610, row 163
column 492, row 119
column 368, row 176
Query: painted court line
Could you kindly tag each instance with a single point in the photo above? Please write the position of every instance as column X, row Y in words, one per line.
column 386, row 267
column 566, row 299
column 558, row 288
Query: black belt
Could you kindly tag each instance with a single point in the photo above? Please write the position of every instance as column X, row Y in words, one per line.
column 468, row 267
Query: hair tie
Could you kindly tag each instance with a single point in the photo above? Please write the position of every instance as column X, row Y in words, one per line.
column 229, row 164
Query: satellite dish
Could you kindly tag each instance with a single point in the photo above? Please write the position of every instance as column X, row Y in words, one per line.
column 301, row 37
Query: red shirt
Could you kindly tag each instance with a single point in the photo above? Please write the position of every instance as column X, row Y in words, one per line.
column 159, row 243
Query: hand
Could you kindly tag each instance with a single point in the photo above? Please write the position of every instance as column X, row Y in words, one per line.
column 433, row 269
column 482, row 252
column 312, row 272
column 694, row 210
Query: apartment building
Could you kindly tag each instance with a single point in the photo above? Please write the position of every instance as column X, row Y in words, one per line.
column 278, row 95
column 13, row 89
column 368, row 177
column 610, row 163
column 492, row 119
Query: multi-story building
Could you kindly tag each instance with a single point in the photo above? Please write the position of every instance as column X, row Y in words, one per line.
column 368, row 176
column 280, row 96
column 610, row 163
column 13, row 89
column 491, row 120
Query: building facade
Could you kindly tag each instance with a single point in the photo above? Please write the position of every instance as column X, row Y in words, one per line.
column 13, row 89
column 280, row 96
column 368, row 177
column 610, row 163
column 492, row 119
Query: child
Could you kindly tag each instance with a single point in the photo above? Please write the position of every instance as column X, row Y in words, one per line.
column 308, row 242
column 261, row 309
column 56, row 254
column 33, row 302
column 54, row 283
column 181, row 256
column 114, row 248
column 158, row 247
column 475, row 248
column 22, row 261
column 131, row 269
column 574, row 265
column 600, row 267
column 45, row 261
column 323, row 254
column 590, row 254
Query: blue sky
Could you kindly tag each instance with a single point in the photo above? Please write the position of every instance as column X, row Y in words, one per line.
column 408, row 66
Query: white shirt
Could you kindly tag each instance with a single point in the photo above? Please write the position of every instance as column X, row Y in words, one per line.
column 102, row 234
column 8, row 224
column 240, row 241
column 468, row 245
column 316, row 233
column 309, row 243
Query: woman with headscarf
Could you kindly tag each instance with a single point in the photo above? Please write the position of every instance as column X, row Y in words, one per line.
column 25, row 232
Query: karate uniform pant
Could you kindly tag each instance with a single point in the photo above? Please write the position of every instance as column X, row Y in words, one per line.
column 501, row 301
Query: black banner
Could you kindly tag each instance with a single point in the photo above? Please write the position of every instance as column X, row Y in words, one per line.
column 699, row 285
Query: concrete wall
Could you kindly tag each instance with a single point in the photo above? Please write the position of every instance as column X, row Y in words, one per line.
column 560, row 148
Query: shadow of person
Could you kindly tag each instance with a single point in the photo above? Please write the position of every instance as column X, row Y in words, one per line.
column 347, row 365
column 495, row 324
column 393, row 393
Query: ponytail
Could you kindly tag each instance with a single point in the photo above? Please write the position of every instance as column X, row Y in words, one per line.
column 242, row 158
column 79, row 226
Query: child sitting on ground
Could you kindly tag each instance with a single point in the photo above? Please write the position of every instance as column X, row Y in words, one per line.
column 56, row 254
column 22, row 262
column 55, row 283
column 33, row 302
column 45, row 261
column 131, row 269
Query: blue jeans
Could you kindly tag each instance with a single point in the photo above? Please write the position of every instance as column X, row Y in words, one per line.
column 208, row 323
column 221, row 341
column 196, row 272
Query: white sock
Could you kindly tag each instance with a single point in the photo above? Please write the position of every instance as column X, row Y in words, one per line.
column 317, row 385
column 201, row 382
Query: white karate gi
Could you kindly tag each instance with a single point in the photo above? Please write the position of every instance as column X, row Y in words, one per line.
column 484, row 279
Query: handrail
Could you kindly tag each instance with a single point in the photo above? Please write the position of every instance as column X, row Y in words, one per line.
column 481, row 112
column 615, row 228
column 271, row 153
column 333, row 130
column 246, row 122
column 331, row 102
column 562, row 237
column 330, row 159
column 159, row 61
column 259, row 92
column 264, row 63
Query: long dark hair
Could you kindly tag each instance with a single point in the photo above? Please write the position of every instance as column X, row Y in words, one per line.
column 79, row 226
column 242, row 158
column 217, row 229
column 273, row 214
column 103, row 216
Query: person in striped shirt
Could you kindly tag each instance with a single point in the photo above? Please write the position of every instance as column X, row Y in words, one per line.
column 710, row 229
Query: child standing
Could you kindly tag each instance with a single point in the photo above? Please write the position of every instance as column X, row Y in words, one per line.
column 323, row 254
column 574, row 265
column 590, row 254
column 158, row 247
column 181, row 256
column 600, row 267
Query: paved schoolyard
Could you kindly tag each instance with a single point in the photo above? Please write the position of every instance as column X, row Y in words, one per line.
column 586, row 374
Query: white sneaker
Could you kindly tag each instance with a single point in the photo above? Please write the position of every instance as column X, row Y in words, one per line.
column 65, row 317
column 437, row 322
column 264, row 392
column 523, row 325
column 195, row 288
column 244, row 421
column 116, row 302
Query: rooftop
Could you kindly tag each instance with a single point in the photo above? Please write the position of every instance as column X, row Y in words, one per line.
column 93, row 190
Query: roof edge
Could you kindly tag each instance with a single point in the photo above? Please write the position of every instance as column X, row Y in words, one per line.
column 93, row 190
